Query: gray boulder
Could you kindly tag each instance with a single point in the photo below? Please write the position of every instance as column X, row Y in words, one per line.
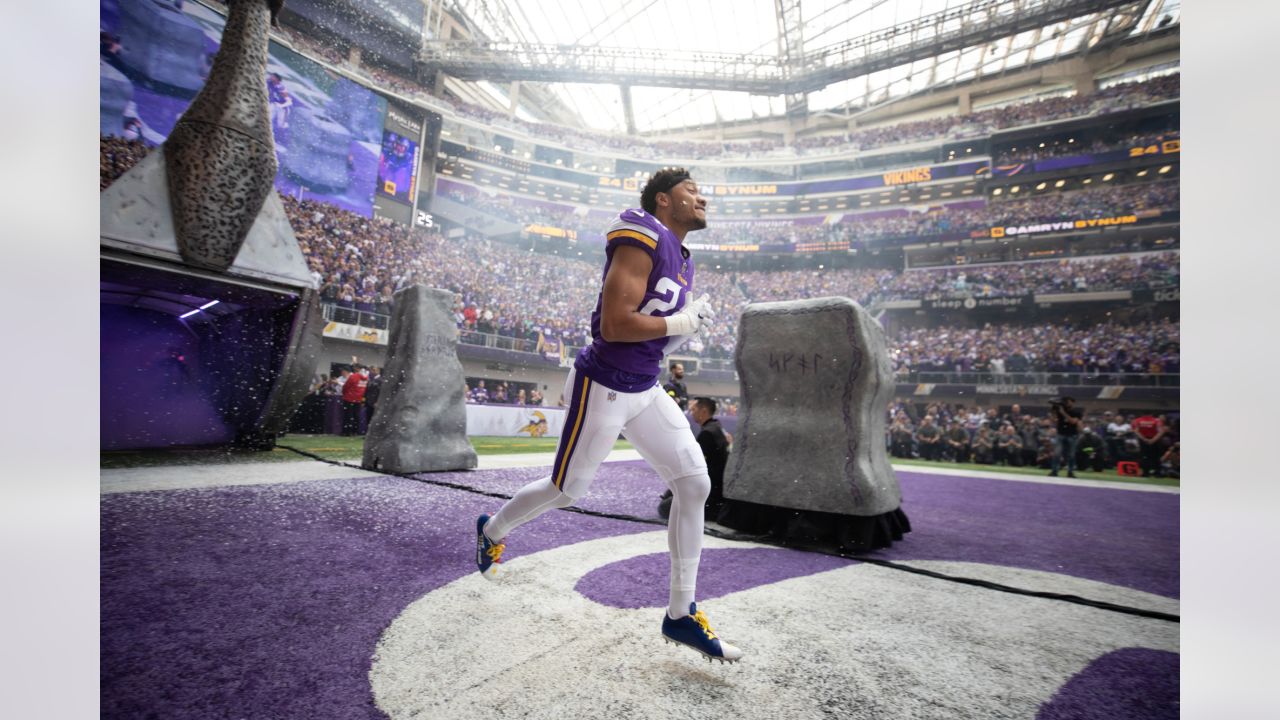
column 421, row 422
column 816, row 383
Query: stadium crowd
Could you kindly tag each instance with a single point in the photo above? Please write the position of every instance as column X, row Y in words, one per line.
column 1032, row 152
column 961, row 218
column 947, row 432
column 359, row 263
column 1145, row 347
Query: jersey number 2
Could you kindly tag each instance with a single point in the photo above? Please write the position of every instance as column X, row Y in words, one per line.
column 667, row 287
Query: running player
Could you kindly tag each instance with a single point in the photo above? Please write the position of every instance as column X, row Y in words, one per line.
column 643, row 312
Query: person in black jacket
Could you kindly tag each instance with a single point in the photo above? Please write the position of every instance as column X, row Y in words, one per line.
column 675, row 386
column 372, row 391
column 715, row 448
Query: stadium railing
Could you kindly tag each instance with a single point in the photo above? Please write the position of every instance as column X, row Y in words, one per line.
column 1062, row 379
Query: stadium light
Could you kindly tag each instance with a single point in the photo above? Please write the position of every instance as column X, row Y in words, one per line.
column 1060, row 183
column 1041, row 144
column 1015, row 188
column 1142, row 172
column 1107, row 177
column 1165, row 169
column 183, row 316
column 208, row 305
column 1041, row 186
column 997, row 191
column 1086, row 181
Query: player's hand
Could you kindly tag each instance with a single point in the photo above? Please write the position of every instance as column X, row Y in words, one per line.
column 691, row 318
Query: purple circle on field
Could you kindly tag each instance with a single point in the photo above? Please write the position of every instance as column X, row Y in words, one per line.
column 642, row 581
column 1127, row 684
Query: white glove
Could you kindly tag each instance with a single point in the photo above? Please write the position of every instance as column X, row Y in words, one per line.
column 692, row 317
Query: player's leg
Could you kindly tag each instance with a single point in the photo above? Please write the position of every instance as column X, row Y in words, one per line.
column 591, row 427
column 661, row 433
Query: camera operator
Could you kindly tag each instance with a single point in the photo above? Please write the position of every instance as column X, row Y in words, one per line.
column 1069, row 419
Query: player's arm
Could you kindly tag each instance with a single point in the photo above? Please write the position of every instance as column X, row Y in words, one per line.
column 624, row 289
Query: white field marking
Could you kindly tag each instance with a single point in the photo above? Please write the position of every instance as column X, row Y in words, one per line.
column 942, row 469
column 232, row 474
column 1041, row 581
column 182, row 477
column 856, row 642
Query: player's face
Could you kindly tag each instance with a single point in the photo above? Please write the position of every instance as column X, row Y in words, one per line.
column 689, row 207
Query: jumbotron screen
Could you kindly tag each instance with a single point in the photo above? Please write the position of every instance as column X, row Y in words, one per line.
column 155, row 59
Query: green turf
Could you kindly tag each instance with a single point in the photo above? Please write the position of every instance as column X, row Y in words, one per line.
column 351, row 449
column 1110, row 475
column 331, row 447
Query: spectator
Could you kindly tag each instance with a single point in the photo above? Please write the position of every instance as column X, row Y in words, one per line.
column 1008, row 447
column 354, row 384
column 1171, row 461
column 372, row 391
column 900, row 436
column 1091, row 450
column 929, row 439
column 1150, row 431
column 984, row 446
column 957, row 442
column 1029, row 430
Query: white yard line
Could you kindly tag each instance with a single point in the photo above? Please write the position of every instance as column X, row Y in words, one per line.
column 225, row 474
column 182, row 477
column 942, row 469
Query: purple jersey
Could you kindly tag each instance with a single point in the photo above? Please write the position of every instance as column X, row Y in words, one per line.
column 634, row 366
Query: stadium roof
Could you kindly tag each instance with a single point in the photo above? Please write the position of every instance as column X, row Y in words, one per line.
column 686, row 63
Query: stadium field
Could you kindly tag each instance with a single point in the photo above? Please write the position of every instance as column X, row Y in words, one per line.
column 329, row 447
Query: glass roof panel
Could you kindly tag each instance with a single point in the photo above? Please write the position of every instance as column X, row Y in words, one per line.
column 752, row 27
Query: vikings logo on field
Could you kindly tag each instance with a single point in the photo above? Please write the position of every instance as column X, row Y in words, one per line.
column 537, row 426
column 578, row 626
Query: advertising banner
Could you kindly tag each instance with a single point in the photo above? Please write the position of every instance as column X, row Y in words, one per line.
column 978, row 303
column 356, row 333
column 885, row 179
column 515, row 420
column 154, row 58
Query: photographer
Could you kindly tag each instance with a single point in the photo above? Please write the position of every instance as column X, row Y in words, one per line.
column 1068, row 418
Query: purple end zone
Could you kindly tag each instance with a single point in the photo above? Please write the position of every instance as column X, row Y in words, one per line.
column 1128, row 684
column 1123, row 537
column 642, row 581
column 268, row 601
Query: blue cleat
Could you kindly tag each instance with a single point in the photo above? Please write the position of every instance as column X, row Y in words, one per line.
column 488, row 553
column 694, row 631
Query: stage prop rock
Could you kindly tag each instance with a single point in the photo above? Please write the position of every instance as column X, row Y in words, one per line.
column 221, row 158
column 809, row 460
column 194, row 237
column 421, row 423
